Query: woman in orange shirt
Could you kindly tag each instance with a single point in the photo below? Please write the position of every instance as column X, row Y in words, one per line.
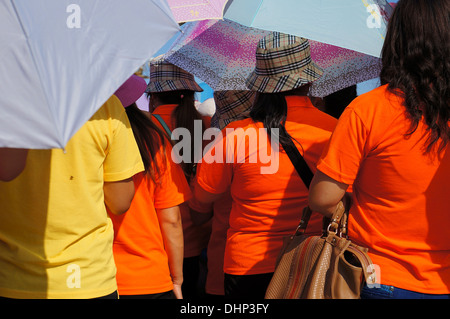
column 267, row 192
column 148, row 239
column 392, row 145
column 232, row 105
column 171, row 93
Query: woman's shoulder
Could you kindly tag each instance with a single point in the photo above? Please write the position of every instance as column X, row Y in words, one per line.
column 379, row 101
column 379, row 95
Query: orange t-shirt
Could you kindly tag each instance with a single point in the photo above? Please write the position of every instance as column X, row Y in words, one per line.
column 400, row 196
column 142, row 262
column 268, row 194
column 195, row 237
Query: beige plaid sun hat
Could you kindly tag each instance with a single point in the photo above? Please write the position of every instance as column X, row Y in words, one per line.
column 283, row 63
column 165, row 76
column 231, row 105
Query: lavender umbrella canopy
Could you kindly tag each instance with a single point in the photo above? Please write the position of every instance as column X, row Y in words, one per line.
column 61, row 61
column 193, row 10
column 222, row 54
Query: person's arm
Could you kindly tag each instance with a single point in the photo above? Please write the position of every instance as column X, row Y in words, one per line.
column 172, row 233
column 200, row 212
column 325, row 193
column 201, row 205
column 12, row 162
column 118, row 195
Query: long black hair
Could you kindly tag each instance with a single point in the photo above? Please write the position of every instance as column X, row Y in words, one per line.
column 271, row 109
column 184, row 115
column 416, row 65
column 149, row 139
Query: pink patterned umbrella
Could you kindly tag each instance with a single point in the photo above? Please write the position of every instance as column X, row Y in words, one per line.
column 342, row 68
column 222, row 54
column 193, row 10
column 219, row 52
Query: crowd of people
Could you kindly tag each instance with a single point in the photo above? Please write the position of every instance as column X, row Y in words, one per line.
column 117, row 214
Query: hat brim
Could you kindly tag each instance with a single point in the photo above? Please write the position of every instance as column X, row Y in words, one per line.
column 287, row 82
column 221, row 122
column 131, row 90
column 172, row 85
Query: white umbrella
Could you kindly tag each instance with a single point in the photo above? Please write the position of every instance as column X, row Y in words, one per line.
column 358, row 25
column 61, row 60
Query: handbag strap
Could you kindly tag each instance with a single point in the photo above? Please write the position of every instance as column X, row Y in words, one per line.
column 299, row 162
column 163, row 124
column 339, row 213
column 305, row 174
column 169, row 133
column 337, row 223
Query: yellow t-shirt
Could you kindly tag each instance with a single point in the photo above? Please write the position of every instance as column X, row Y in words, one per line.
column 55, row 234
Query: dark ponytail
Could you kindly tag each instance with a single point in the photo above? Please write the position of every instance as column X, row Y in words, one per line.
column 271, row 110
column 184, row 116
column 149, row 139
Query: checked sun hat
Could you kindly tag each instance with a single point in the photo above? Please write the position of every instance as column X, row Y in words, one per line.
column 165, row 76
column 231, row 105
column 283, row 63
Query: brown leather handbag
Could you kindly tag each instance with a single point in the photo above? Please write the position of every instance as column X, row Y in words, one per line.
column 321, row 267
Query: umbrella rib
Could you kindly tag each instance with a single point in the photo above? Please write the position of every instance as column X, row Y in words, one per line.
column 59, row 133
column 222, row 12
column 256, row 12
column 171, row 17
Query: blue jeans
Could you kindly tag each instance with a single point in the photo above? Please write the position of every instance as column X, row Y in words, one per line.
column 390, row 292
